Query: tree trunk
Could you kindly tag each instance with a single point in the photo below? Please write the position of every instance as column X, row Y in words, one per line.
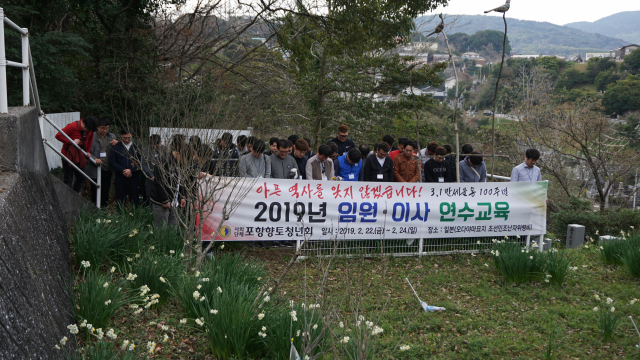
column 320, row 100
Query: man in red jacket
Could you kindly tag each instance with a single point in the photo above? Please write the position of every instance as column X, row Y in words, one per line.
column 81, row 132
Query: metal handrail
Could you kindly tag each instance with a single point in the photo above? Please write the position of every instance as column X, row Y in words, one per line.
column 73, row 165
column 499, row 177
column 99, row 167
column 14, row 26
column 30, row 93
column 24, row 65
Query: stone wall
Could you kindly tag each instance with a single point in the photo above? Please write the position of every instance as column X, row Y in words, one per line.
column 34, row 249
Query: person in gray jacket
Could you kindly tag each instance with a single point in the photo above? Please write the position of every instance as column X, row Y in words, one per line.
column 102, row 142
column 283, row 166
column 473, row 169
column 255, row 164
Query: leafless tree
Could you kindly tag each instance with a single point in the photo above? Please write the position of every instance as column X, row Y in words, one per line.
column 572, row 136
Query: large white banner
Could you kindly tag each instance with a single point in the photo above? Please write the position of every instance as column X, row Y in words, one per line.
column 277, row 209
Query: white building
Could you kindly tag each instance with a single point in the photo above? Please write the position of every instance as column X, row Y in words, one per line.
column 471, row 56
column 603, row 54
column 525, row 56
column 450, row 83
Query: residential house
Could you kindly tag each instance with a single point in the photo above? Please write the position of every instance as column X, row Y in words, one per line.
column 621, row 52
column 471, row 56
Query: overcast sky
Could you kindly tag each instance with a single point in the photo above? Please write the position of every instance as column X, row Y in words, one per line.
column 558, row 12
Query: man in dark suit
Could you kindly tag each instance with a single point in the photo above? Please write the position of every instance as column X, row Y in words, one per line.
column 126, row 159
column 379, row 167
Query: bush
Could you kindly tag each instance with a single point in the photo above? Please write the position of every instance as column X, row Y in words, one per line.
column 97, row 297
column 629, row 255
column 518, row 264
column 607, row 323
column 107, row 350
column 558, row 265
column 96, row 238
column 137, row 225
column 611, row 250
column 220, row 300
column 165, row 239
column 158, row 272
column 608, row 222
column 226, row 315
column 304, row 328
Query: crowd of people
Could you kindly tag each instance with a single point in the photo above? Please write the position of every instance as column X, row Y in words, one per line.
column 136, row 169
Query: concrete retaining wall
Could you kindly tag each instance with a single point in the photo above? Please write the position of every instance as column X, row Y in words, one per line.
column 34, row 249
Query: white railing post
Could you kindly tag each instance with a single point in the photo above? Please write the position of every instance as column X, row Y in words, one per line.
column 4, row 105
column 99, row 188
column 25, row 71
column 541, row 243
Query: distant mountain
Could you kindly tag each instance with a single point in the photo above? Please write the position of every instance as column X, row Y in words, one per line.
column 623, row 25
column 532, row 37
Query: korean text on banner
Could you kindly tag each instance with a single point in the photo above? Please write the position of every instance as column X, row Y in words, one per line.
column 277, row 209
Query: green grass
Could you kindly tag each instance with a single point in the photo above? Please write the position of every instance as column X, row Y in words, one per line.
column 486, row 316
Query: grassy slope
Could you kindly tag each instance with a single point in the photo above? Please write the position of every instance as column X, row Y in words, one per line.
column 484, row 317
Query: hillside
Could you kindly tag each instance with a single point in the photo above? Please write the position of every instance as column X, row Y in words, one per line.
column 532, row 37
column 623, row 25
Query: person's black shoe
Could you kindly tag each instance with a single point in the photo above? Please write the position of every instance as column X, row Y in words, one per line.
column 251, row 244
column 262, row 244
column 288, row 244
column 275, row 243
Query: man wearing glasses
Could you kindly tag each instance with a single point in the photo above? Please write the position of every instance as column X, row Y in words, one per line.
column 344, row 144
column 283, row 166
column 125, row 159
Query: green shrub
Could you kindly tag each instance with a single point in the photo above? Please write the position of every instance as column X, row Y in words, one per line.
column 96, row 239
column 158, row 272
column 165, row 239
column 607, row 323
column 226, row 315
column 137, row 227
column 518, row 264
column 107, row 350
column 220, row 299
column 304, row 328
column 97, row 297
column 611, row 251
column 629, row 255
column 558, row 265
column 609, row 222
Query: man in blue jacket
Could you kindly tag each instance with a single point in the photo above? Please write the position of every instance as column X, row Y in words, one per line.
column 473, row 169
column 349, row 166
column 126, row 160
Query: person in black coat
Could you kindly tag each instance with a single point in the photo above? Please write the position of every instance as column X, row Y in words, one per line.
column 225, row 158
column 379, row 167
column 126, row 159
column 344, row 144
column 169, row 190
column 437, row 169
